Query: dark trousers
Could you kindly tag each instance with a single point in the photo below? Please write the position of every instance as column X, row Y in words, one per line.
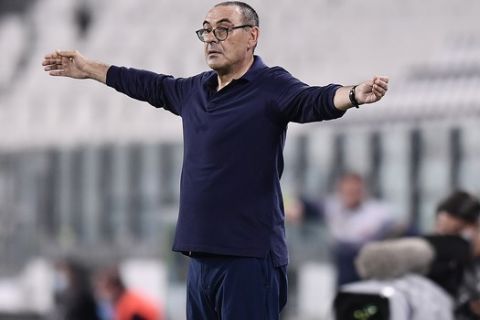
column 230, row 288
column 344, row 257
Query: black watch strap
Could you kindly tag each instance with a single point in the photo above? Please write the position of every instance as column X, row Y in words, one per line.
column 351, row 96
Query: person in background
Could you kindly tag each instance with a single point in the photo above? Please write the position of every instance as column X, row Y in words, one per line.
column 354, row 219
column 468, row 298
column 458, row 215
column 73, row 295
column 449, row 256
column 125, row 304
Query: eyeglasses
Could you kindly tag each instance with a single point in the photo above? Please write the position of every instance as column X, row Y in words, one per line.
column 220, row 33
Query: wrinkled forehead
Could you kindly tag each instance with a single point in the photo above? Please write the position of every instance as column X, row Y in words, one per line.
column 224, row 14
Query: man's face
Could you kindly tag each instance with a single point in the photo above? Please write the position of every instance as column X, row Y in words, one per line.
column 351, row 192
column 448, row 224
column 103, row 289
column 236, row 48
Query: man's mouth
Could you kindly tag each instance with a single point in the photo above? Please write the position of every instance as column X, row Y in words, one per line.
column 213, row 52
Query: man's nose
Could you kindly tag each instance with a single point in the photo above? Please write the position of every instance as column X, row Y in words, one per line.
column 210, row 37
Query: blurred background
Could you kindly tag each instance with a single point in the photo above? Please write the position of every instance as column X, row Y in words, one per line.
column 91, row 175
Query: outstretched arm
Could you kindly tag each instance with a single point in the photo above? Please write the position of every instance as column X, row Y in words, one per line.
column 74, row 65
column 159, row 90
column 367, row 92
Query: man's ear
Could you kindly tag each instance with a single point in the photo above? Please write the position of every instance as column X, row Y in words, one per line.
column 254, row 34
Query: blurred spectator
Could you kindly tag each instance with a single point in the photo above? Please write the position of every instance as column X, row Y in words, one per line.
column 125, row 303
column 354, row 219
column 83, row 18
column 458, row 215
column 468, row 302
column 452, row 255
column 73, row 294
column 450, row 265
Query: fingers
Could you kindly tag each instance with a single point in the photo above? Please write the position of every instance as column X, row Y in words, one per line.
column 51, row 61
column 67, row 53
column 380, row 85
column 56, row 73
column 378, row 90
column 58, row 57
column 381, row 82
column 59, row 60
column 58, row 63
column 381, row 78
column 50, row 67
column 52, row 55
column 55, row 67
column 55, row 64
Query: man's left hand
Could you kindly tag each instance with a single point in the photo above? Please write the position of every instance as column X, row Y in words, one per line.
column 372, row 90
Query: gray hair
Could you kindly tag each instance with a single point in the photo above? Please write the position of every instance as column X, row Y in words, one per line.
column 250, row 16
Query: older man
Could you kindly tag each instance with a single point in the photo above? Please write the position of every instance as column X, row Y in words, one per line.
column 231, row 220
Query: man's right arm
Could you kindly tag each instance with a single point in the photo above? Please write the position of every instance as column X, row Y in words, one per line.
column 157, row 89
column 74, row 65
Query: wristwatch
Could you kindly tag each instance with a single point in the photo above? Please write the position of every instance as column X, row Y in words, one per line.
column 351, row 96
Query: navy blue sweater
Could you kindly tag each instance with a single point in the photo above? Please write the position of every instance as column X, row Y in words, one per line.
column 230, row 197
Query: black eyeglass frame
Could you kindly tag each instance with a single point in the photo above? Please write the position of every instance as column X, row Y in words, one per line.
column 201, row 37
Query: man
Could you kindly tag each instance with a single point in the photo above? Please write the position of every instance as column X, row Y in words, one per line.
column 231, row 220
column 354, row 220
column 444, row 256
column 126, row 303
column 73, row 295
column 457, row 215
column 457, row 224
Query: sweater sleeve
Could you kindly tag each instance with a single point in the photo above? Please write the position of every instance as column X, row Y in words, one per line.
column 299, row 102
column 161, row 91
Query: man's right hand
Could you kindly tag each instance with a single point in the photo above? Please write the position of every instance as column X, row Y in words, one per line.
column 74, row 65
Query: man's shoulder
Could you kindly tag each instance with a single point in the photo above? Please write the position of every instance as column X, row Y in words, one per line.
column 276, row 72
column 275, row 79
column 200, row 76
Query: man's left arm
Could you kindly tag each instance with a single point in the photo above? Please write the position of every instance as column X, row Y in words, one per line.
column 369, row 91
